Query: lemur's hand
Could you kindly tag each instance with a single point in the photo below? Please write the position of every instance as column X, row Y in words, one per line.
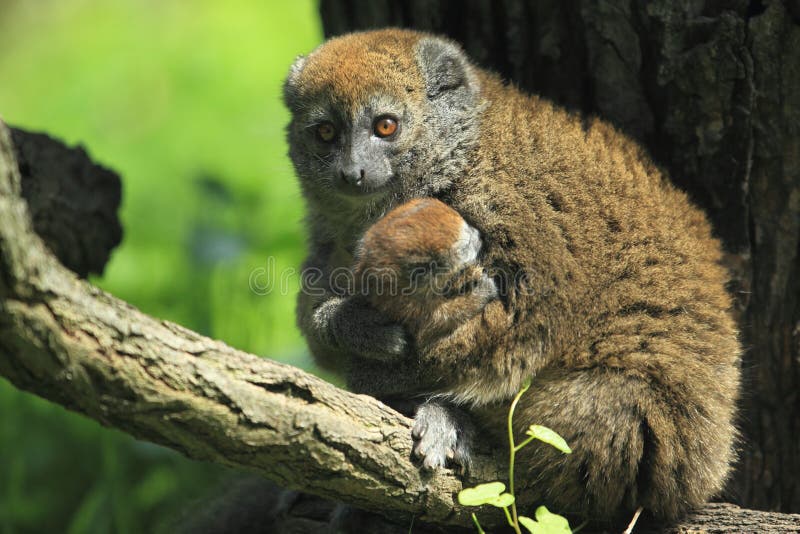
column 360, row 329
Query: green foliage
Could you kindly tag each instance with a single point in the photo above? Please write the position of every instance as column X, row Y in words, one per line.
column 545, row 523
column 183, row 99
column 542, row 433
column 492, row 493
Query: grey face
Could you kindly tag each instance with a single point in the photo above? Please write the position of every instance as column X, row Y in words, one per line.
column 349, row 166
column 361, row 155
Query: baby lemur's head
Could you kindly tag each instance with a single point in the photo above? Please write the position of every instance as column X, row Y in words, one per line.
column 418, row 265
column 380, row 115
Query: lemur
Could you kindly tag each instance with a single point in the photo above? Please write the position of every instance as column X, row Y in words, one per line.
column 609, row 291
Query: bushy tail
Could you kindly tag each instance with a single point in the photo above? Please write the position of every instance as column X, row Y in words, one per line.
column 635, row 443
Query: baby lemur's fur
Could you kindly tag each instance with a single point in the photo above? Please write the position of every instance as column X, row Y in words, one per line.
column 610, row 291
column 418, row 266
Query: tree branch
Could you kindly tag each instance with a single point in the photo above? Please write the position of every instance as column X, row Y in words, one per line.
column 75, row 212
column 67, row 341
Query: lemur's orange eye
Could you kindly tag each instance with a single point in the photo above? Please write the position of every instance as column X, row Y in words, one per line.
column 326, row 132
column 385, row 126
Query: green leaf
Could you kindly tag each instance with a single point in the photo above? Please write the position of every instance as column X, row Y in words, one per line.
column 555, row 522
column 502, row 500
column 545, row 523
column 529, row 524
column 551, row 437
column 481, row 494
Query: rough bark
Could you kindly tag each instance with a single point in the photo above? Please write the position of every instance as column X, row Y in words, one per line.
column 75, row 212
column 718, row 518
column 713, row 89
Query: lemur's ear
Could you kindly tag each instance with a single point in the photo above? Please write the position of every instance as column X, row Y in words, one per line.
column 445, row 67
column 290, row 85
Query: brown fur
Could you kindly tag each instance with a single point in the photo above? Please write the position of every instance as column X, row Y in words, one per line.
column 408, row 267
column 421, row 230
column 621, row 316
column 351, row 69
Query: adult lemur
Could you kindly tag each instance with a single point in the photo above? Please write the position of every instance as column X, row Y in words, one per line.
column 610, row 293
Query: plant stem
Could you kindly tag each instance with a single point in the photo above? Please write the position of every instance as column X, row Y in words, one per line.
column 518, row 447
column 512, row 455
column 478, row 525
column 508, row 516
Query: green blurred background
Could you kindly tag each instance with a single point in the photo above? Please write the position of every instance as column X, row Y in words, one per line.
column 183, row 100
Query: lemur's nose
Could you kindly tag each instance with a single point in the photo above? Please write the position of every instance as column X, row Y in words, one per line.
column 353, row 176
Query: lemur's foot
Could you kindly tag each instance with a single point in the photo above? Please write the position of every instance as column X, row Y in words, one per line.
column 442, row 436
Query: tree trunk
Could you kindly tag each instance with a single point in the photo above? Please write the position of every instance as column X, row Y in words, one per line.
column 713, row 90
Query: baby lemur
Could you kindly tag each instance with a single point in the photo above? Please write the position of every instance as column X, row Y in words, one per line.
column 418, row 266
column 609, row 290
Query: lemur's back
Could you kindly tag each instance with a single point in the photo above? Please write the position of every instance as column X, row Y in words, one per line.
column 622, row 308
